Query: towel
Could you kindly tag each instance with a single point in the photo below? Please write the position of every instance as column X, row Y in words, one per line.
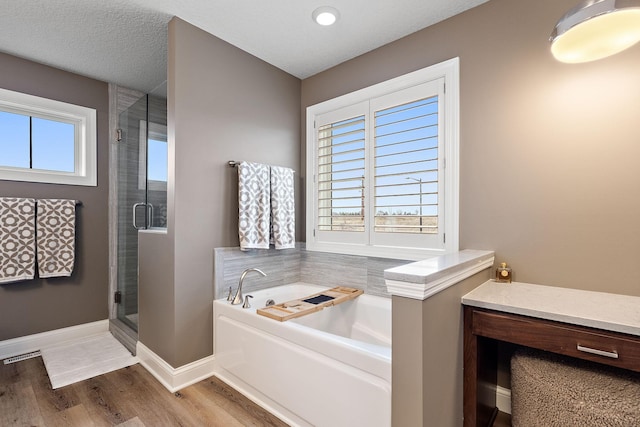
column 17, row 239
column 283, row 214
column 254, row 198
column 56, row 236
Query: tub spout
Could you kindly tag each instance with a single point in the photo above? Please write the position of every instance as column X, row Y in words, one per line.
column 238, row 299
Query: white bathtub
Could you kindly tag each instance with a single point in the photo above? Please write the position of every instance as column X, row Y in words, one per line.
column 330, row 368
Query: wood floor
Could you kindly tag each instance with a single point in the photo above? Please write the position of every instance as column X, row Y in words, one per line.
column 502, row 420
column 129, row 397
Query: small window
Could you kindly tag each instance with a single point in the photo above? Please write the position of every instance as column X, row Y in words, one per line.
column 43, row 140
column 153, row 160
column 385, row 165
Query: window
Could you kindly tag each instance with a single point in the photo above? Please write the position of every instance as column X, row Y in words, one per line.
column 153, row 157
column 383, row 166
column 43, row 140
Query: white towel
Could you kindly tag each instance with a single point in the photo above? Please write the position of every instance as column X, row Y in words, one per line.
column 56, row 236
column 17, row 239
column 283, row 214
column 253, row 205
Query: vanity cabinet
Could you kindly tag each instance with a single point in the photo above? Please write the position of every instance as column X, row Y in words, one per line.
column 522, row 315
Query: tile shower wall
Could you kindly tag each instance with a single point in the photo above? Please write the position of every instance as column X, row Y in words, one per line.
column 298, row 265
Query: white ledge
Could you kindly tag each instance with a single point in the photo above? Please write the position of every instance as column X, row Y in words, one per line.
column 421, row 279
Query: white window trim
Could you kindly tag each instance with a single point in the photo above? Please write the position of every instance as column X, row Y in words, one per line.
column 85, row 151
column 450, row 71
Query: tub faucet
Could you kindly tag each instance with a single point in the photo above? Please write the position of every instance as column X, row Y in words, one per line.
column 246, row 301
column 238, row 298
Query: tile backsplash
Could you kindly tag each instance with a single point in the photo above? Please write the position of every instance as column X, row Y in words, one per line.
column 298, row 265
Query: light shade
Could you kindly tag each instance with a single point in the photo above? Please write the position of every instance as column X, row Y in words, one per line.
column 596, row 29
column 325, row 15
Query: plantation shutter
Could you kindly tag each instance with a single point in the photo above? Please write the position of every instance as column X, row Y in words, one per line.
column 341, row 175
column 385, row 167
column 406, row 171
column 407, row 165
column 378, row 170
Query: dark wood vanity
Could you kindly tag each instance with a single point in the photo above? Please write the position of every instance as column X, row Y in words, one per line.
column 487, row 321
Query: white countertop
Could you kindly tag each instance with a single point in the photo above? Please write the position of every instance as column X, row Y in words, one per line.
column 612, row 312
column 421, row 279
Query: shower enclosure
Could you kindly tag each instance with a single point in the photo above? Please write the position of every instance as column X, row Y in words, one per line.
column 141, row 197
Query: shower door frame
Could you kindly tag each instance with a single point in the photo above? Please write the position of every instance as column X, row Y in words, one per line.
column 152, row 126
column 120, row 99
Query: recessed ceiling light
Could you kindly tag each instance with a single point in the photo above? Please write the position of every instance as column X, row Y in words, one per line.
column 326, row 15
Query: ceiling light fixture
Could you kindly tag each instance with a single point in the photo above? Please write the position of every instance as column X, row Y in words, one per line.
column 596, row 29
column 325, row 15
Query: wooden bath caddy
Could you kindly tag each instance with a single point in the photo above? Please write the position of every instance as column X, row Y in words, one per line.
column 311, row 304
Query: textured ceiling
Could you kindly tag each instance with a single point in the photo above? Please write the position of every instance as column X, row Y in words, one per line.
column 125, row 41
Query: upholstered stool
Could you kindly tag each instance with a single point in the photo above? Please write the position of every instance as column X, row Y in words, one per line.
column 551, row 390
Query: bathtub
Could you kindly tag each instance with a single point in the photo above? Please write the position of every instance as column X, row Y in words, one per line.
column 330, row 368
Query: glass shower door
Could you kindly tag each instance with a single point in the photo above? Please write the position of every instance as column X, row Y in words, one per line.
column 141, row 193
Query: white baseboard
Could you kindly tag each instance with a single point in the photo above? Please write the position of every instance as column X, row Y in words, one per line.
column 502, row 396
column 29, row 343
column 503, row 399
column 174, row 379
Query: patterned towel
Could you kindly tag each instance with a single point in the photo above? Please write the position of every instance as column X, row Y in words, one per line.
column 56, row 236
column 283, row 213
column 17, row 239
column 253, row 205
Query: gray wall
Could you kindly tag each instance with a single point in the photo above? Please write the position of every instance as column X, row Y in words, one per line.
column 549, row 176
column 428, row 354
column 156, row 310
column 35, row 306
column 223, row 104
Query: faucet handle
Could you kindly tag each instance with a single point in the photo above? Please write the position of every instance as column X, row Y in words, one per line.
column 230, row 296
column 246, row 301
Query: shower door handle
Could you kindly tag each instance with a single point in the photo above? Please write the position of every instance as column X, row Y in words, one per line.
column 149, row 215
column 149, row 212
column 134, row 215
